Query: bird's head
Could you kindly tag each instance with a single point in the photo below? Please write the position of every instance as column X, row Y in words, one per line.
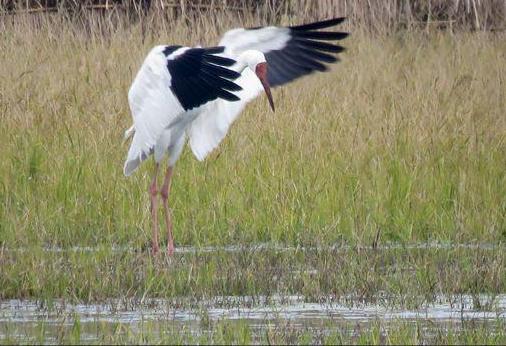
column 257, row 63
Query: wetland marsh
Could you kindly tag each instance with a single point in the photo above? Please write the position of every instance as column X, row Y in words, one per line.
column 371, row 207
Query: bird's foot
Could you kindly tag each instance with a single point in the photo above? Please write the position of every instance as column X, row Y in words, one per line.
column 155, row 249
column 170, row 249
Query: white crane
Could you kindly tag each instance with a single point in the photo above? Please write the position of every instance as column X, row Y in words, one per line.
column 196, row 93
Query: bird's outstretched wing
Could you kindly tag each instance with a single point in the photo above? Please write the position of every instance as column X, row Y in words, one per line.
column 291, row 52
column 171, row 81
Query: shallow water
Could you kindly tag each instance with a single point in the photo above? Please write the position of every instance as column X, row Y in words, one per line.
column 41, row 322
column 259, row 313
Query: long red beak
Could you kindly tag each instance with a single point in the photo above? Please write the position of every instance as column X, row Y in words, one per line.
column 261, row 72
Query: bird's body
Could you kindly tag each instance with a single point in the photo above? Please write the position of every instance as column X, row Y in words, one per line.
column 185, row 93
column 157, row 130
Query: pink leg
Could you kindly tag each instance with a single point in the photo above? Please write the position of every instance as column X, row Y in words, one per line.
column 154, row 211
column 168, row 220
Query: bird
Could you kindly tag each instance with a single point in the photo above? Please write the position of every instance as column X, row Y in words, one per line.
column 192, row 94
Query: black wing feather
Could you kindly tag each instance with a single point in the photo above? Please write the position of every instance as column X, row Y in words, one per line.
column 300, row 57
column 215, row 50
column 319, row 25
column 222, row 93
column 321, row 35
column 317, row 45
column 279, row 71
column 305, row 52
column 317, row 55
column 198, row 76
column 219, row 60
column 274, row 71
column 222, row 71
column 219, row 82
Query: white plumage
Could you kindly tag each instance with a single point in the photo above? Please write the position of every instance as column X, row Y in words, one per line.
column 266, row 39
column 153, row 107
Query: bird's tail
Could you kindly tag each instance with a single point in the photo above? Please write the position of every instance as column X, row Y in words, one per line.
column 135, row 155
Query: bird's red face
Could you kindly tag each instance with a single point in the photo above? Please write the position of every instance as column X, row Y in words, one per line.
column 261, row 72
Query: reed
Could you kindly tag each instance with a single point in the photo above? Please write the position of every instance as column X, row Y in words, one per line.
column 377, row 15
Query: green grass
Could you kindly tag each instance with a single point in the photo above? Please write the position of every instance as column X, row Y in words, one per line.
column 405, row 137
column 403, row 142
column 407, row 277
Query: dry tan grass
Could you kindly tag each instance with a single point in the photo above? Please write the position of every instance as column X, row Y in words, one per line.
column 376, row 15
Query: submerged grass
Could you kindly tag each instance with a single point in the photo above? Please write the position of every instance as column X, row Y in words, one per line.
column 397, row 277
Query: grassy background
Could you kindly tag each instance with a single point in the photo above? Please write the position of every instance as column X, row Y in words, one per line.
column 405, row 138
